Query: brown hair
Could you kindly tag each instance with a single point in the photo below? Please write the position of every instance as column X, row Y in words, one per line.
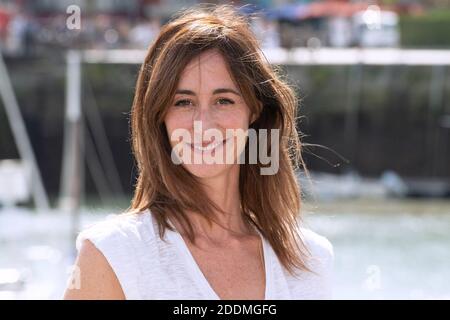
column 269, row 202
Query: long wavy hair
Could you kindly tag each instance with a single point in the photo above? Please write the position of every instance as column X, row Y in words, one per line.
column 271, row 203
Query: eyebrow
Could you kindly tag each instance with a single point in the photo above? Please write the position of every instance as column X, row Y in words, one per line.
column 216, row 91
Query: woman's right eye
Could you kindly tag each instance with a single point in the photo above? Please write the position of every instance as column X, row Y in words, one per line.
column 182, row 103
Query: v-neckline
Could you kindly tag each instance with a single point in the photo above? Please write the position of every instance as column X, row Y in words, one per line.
column 200, row 278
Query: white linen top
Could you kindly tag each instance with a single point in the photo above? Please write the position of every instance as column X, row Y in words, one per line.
column 149, row 268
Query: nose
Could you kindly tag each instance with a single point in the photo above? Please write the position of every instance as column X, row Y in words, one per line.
column 202, row 120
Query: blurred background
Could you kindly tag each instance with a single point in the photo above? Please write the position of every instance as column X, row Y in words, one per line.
column 373, row 78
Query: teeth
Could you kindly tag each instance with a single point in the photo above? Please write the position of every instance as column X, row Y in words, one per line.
column 209, row 147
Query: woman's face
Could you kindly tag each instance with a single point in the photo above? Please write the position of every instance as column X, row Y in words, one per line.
column 207, row 118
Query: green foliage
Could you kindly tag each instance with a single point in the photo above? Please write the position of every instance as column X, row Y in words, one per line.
column 431, row 30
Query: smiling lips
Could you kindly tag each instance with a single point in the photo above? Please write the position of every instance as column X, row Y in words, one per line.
column 207, row 147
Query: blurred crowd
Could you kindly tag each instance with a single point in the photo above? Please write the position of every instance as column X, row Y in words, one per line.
column 25, row 31
column 25, row 34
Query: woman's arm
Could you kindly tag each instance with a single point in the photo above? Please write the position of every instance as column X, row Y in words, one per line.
column 93, row 277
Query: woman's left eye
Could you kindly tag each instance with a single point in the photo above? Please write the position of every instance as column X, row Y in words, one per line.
column 225, row 101
column 182, row 103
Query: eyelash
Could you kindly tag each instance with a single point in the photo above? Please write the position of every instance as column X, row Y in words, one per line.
column 187, row 100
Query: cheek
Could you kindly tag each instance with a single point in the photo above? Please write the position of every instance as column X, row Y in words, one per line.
column 172, row 123
column 176, row 120
column 239, row 118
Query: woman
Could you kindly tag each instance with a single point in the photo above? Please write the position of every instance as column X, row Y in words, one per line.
column 208, row 229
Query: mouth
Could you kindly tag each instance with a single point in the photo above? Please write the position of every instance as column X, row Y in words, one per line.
column 208, row 146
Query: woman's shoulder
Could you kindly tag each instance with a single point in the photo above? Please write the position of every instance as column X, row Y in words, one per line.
column 124, row 240
column 318, row 245
column 117, row 230
column 318, row 283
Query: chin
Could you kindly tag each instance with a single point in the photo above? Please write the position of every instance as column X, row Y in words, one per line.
column 208, row 170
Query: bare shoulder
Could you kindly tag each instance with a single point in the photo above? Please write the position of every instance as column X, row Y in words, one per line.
column 109, row 251
column 92, row 277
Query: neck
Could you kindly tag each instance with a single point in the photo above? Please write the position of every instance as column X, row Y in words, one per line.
column 223, row 190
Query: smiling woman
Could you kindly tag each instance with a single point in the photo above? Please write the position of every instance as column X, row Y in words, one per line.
column 213, row 102
column 208, row 230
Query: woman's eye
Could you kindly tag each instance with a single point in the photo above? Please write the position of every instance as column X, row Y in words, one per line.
column 225, row 101
column 183, row 102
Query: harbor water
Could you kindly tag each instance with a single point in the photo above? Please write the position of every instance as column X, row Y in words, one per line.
column 384, row 249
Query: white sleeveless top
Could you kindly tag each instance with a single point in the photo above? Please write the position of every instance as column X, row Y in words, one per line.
column 150, row 268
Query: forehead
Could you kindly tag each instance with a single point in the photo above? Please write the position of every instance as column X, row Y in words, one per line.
column 207, row 70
